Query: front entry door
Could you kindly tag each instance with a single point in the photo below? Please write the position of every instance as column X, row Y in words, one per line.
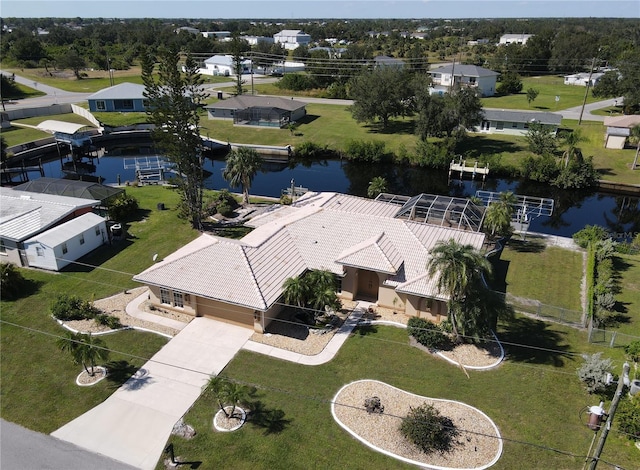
column 368, row 285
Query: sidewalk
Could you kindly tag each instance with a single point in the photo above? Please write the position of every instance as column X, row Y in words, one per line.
column 133, row 309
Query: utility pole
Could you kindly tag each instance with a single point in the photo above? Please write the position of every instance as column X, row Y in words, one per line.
column 612, row 411
column 586, row 92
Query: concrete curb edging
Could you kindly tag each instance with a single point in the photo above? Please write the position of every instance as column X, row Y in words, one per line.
column 109, row 332
column 105, row 371
column 404, row 459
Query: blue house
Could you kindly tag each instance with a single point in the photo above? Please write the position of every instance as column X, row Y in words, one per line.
column 125, row 97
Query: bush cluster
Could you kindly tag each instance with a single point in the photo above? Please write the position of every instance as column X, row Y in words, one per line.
column 69, row 307
column 426, row 333
column 122, row 207
column 593, row 371
column 220, row 202
column 426, row 428
column 372, row 151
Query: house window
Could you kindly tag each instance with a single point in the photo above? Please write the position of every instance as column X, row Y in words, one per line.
column 39, row 251
column 64, row 249
column 3, row 248
column 472, row 80
column 101, row 105
column 514, row 125
column 97, row 230
column 178, row 299
column 145, row 103
column 500, row 125
column 82, row 238
column 526, row 125
column 123, row 104
column 164, row 296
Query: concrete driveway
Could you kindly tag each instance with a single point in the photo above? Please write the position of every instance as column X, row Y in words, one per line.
column 134, row 423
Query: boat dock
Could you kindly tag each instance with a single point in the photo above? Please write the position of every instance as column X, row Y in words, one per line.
column 462, row 168
column 149, row 170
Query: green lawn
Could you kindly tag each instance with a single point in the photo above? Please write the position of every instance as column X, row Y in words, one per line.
column 549, row 87
column 38, row 381
column 550, row 275
column 535, row 399
column 628, row 269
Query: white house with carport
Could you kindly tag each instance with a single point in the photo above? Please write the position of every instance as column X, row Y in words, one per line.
column 506, row 121
column 450, row 76
column 379, row 250
column 57, row 247
column 515, row 39
column 292, row 38
column 583, row 78
column 123, row 97
column 252, row 110
column 223, row 65
column 24, row 215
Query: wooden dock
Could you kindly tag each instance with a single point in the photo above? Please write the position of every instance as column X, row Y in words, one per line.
column 462, row 168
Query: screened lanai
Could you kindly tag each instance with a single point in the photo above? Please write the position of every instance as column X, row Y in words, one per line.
column 72, row 188
column 445, row 211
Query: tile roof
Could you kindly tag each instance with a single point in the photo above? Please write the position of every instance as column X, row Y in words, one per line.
column 24, row 214
column 320, row 231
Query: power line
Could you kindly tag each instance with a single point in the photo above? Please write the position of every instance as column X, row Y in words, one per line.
column 299, row 396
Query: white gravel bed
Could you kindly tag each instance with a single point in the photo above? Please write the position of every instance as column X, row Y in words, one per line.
column 479, row 448
column 116, row 306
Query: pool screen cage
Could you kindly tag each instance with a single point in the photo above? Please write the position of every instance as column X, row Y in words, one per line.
column 257, row 116
column 445, row 211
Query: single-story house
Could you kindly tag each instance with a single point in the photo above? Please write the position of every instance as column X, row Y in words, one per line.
column 255, row 40
column 618, row 129
column 269, row 111
column 223, row 65
column 386, row 61
column 515, row 38
column 292, row 38
column 505, row 121
column 448, row 76
column 581, row 79
column 379, row 249
column 23, row 215
column 57, row 247
column 124, row 97
column 216, row 34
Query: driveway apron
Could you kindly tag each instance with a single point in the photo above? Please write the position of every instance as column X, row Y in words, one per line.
column 134, row 423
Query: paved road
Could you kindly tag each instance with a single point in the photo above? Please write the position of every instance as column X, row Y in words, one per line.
column 21, row 448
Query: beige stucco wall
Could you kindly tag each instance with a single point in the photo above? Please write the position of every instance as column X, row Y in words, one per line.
column 349, row 283
column 386, row 297
column 189, row 302
column 429, row 309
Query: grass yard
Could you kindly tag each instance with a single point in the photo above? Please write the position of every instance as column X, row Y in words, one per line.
column 548, row 86
column 535, row 399
column 628, row 269
column 532, row 270
column 38, row 381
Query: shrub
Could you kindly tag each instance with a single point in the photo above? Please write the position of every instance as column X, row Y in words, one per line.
column 510, row 83
column 427, row 429
column 426, row 333
column 122, row 207
column 296, row 82
column 365, row 151
column 593, row 372
column 70, row 307
column 605, row 301
column 590, row 233
column 108, row 320
column 11, row 281
column 628, row 417
column 542, row 169
column 309, row 150
column 633, row 350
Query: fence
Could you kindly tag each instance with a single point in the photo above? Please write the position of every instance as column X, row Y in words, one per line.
column 610, row 338
column 543, row 311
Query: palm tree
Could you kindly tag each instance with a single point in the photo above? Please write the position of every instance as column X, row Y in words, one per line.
column 295, row 291
column 635, row 134
column 572, row 139
column 242, row 166
column 85, row 349
column 497, row 219
column 459, row 267
column 377, row 185
column 226, row 393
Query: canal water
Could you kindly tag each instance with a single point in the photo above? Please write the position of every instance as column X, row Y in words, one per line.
column 573, row 209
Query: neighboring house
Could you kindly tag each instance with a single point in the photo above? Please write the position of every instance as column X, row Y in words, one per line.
column 501, row 121
column 269, row 111
column 292, row 38
column 515, row 38
column 57, row 247
column 582, row 79
column 72, row 188
column 187, row 29
column 477, row 42
column 450, row 76
column 618, row 129
column 223, row 65
column 217, row 34
column 124, row 97
column 24, row 215
column 379, row 249
column 255, row 40
column 386, row 61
